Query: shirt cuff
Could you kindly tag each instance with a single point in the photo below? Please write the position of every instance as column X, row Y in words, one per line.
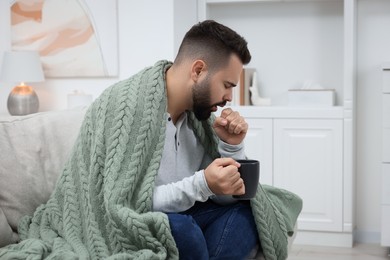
column 204, row 187
column 230, row 150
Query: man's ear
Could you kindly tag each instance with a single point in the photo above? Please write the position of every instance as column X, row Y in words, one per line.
column 197, row 70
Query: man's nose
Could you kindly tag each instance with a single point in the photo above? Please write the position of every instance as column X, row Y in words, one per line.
column 229, row 95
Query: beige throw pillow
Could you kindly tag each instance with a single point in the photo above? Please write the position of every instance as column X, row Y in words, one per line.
column 33, row 151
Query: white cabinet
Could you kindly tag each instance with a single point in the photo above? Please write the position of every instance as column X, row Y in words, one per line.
column 305, row 157
column 308, row 162
column 259, row 145
column 385, row 225
column 301, row 150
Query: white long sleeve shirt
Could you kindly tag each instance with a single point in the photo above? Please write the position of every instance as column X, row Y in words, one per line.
column 180, row 181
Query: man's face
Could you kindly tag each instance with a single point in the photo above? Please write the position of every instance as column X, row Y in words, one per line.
column 201, row 97
column 216, row 89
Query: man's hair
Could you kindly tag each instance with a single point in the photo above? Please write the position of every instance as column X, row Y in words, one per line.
column 213, row 43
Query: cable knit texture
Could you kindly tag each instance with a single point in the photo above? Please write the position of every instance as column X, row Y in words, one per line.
column 101, row 206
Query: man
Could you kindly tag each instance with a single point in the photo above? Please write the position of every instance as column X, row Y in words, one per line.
column 152, row 171
column 206, row 69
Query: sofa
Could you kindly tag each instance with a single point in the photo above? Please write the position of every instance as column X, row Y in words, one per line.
column 34, row 149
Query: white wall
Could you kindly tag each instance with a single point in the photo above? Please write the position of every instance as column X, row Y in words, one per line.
column 147, row 35
column 5, row 88
column 185, row 12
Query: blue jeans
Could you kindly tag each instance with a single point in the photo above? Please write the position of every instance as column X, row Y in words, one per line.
column 211, row 231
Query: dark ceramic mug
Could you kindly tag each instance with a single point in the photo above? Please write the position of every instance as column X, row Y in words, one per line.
column 250, row 174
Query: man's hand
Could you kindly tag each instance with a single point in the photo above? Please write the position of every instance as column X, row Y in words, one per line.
column 230, row 127
column 223, row 178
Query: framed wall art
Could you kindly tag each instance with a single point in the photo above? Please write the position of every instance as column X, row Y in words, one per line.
column 75, row 38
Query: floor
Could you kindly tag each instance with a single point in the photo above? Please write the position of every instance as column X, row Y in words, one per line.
column 358, row 252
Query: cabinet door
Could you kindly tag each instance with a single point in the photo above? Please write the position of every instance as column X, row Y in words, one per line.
column 308, row 161
column 258, row 145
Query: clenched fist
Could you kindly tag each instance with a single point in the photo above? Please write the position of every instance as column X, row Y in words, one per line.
column 223, row 178
column 230, row 127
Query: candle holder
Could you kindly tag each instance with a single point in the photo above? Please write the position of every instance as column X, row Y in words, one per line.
column 22, row 66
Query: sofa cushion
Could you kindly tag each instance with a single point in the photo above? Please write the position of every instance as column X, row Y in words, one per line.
column 34, row 149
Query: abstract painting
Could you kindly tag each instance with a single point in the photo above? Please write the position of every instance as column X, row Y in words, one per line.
column 75, row 38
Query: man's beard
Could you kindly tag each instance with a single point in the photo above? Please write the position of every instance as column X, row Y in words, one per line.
column 201, row 100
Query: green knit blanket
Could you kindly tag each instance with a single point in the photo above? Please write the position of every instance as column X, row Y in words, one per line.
column 101, row 206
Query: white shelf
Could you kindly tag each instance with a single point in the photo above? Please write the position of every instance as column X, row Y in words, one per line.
column 251, row 1
column 336, row 112
column 291, row 42
column 386, row 66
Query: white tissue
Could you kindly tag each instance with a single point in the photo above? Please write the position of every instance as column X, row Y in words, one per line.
column 309, row 84
column 311, row 94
